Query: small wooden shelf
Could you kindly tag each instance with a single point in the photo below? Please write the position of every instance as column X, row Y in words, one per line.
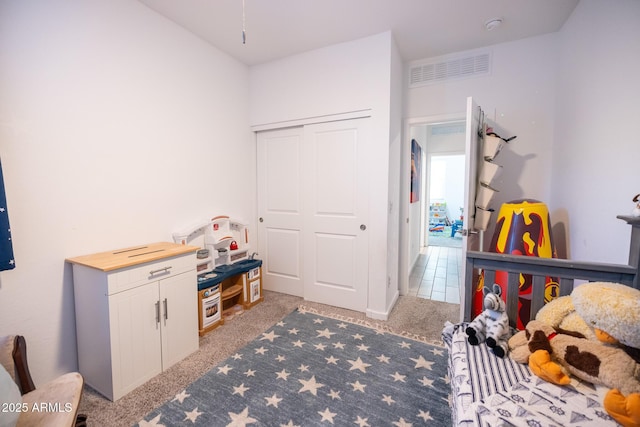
column 231, row 292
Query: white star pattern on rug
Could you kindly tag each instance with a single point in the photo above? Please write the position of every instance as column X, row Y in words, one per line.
column 425, row 415
column 269, row 336
column 402, row 423
column 358, row 386
column 240, row 389
column 327, row 415
column 332, row 360
column 383, row 359
column 273, row 400
column 224, row 369
column 363, row 347
column 426, row 382
column 151, row 423
column 359, row 365
column 325, row 333
column 320, row 347
column 297, row 374
column 310, row 385
column 422, row 363
column 398, row 377
column 192, row 415
column 283, row 375
column 180, row 397
column 241, row 419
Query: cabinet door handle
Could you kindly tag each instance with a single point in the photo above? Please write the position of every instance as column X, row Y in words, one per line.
column 166, row 310
column 160, row 270
column 157, row 312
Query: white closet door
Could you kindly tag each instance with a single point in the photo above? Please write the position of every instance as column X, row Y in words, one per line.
column 280, row 209
column 336, row 197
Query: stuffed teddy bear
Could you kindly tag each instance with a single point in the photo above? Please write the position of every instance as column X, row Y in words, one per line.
column 611, row 359
column 492, row 325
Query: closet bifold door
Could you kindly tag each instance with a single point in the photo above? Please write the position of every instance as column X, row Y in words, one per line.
column 335, row 205
column 313, row 201
column 280, row 190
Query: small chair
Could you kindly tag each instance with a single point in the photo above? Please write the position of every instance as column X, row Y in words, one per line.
column 58, row 400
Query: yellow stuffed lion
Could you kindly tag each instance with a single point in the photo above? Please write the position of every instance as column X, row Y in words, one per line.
column 593, row 334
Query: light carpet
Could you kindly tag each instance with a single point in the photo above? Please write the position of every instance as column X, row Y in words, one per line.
column 311, row 369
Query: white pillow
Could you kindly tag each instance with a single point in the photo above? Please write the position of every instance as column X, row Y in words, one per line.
column 10, row 400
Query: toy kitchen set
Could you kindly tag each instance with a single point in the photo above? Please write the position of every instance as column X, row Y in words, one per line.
column 229, row 279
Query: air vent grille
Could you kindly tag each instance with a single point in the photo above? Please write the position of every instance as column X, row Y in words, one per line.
column 448, row 129
column 449, row 69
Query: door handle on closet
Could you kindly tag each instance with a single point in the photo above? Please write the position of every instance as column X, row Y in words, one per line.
column 166, row 310
column 157, row 312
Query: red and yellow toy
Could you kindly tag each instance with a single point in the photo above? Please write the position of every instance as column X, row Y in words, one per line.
column 522, row 228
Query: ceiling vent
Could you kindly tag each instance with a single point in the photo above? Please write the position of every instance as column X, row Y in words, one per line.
column 441, row 70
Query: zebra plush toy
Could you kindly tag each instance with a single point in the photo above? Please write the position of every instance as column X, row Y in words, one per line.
column 492, row 325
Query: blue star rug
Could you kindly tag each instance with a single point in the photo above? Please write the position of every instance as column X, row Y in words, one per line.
column 312, row 370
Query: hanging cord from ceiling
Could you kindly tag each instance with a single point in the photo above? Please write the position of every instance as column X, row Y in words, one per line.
column 244, row 31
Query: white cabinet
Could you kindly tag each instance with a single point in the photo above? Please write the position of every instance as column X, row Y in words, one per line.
column 135, row 316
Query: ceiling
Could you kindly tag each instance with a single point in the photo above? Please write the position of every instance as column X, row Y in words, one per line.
column 421, row 28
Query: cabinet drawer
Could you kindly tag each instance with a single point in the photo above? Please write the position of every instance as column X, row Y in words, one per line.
column 131, row 277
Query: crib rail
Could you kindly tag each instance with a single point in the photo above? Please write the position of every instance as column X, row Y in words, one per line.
column 566, row 271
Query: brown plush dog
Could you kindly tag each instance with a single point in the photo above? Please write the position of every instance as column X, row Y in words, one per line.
column 586, row 359
column 552, row 354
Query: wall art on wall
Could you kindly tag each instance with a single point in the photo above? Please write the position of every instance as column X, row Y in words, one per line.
column 416, row 171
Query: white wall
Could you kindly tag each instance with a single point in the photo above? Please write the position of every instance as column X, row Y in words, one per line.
column 597, row 146
column 518, row 98
column 571, row 98
column 117, row 128
column 395, row 167
column 312, row 84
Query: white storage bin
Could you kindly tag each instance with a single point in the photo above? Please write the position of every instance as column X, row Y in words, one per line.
column 483, row 216
column 492, row 147
column 484, row 196
column 489, row 172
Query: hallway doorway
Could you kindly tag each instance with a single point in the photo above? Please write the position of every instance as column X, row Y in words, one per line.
column 437, row 272
column 444, row 210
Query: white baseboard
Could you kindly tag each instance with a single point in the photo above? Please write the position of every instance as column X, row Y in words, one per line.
column 383, row 315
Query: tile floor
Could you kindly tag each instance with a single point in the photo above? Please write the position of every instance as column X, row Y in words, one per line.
column 437, row 274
